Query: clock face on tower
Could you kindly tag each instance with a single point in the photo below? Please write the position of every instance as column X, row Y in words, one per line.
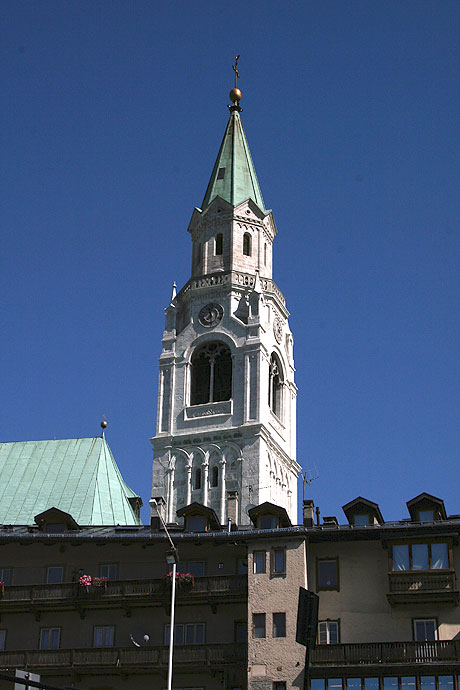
column 210, row 315
column 278, row 329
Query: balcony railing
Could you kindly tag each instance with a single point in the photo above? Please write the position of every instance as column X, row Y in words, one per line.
column 123, row 659
column 370, row 653
column 144, row 592
column 423, row 587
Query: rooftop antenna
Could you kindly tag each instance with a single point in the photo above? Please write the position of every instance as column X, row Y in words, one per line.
column 308, row 476
column 103, row 425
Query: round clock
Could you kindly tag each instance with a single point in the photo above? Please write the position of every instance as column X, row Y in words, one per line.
column 278, row 329
column 210, row 315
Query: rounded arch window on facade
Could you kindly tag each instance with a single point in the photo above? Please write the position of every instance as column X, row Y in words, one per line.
column 247, row 241
column 211, row 374
column 275, row 388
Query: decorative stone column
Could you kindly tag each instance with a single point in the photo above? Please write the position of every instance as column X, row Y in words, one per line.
column 205, row 466
column 188, row 480
column 171, row 472
column 223, row 517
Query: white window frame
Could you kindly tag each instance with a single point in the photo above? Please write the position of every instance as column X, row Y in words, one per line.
column 182, row 630
column 424, row 621
column 325, row 629
column 50, row 632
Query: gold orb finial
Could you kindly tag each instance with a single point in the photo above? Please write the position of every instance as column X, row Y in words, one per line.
column 235, row 96
column 104, row 424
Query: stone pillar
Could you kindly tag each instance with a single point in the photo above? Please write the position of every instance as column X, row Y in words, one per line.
column 205, row 466
column 170, row 499
column 188, row 479
column 222, row 517
column 232, row 506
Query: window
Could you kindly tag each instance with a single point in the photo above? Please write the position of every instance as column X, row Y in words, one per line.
column 327, row 573
column 5, row 576
column 109, row 570
column 260, row 558
column 54, row 575
column 359, row 520
column 242, row 566
column 196, row 524
column 431, row 556
column 2, row 640
column 221, row 174
column 247, row 244
column 258, row 625
column 426, row 515
column 279, row 561
column 50, row 638
column 268, row 522
column 241, row 631
column 211, row 374
column 103, row 635
column 279, row 625
column 425, row 629
column 196, row 568
column 275, row 385
column 197, row 478
column 328, row 632
column 219, row 243
column 186, row 633
column 279, row 685
column 265, row 254
column 215, row 476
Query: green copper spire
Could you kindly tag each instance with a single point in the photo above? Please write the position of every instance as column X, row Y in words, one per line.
column 234, row 177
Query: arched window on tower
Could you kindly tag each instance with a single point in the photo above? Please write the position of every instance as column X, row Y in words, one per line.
column 211, row 374
column 265, row 254
column 219, row 243
column 197, row 478
column 247, row 244
column 275, row 388
column 215, row 476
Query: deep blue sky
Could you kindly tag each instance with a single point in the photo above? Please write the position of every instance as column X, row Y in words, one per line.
column 113, row 114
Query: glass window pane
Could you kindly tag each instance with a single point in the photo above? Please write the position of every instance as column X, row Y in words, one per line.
column 258, row 620
column 333, row 632
column 259, row 561
column 353, row 683
column 425, row 515
column 5, row 576
column 361, row 520
column 54, row 575
column 420, row 557
column 334, row 684
column 322, row 633
column 189, row 633
column 199, row 633
column 279, row 625
column 390, row 683
column 242, row 566
column 317, row 684
column 178, row 634
column 371, row 684
column 428, row 682
column 327, row 573
column 109, row 635
column 408, row 683
column 2, row 640
column 280, row 566
column 401, row 557
column 197, row 568
column 446, row 682
column 439, row 556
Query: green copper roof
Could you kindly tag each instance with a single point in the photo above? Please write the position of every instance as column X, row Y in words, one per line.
column 78, row 476
column 234, row 177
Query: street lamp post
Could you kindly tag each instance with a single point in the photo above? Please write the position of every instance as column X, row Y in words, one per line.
column 172, row 559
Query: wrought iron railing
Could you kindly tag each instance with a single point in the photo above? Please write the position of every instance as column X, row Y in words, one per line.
column 121, row 657
column 433, row 581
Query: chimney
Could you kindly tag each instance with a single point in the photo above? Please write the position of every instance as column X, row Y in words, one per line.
column 308, row 513
column 158, row 507
column 232, row 507
column 330, row 520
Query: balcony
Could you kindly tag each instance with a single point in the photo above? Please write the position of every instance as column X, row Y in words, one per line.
column 444, row 652
column 122, row 593
column 411, row 587
column 125, row 659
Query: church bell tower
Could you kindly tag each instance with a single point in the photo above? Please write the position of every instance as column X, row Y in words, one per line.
column 226, row 424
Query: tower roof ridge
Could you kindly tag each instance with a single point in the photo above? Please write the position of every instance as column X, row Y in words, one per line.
column 234, row 176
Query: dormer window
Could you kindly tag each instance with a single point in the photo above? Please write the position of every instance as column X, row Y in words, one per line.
column 197, row 524
column 360, row 520
column 268, row 522
column 426, row 515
